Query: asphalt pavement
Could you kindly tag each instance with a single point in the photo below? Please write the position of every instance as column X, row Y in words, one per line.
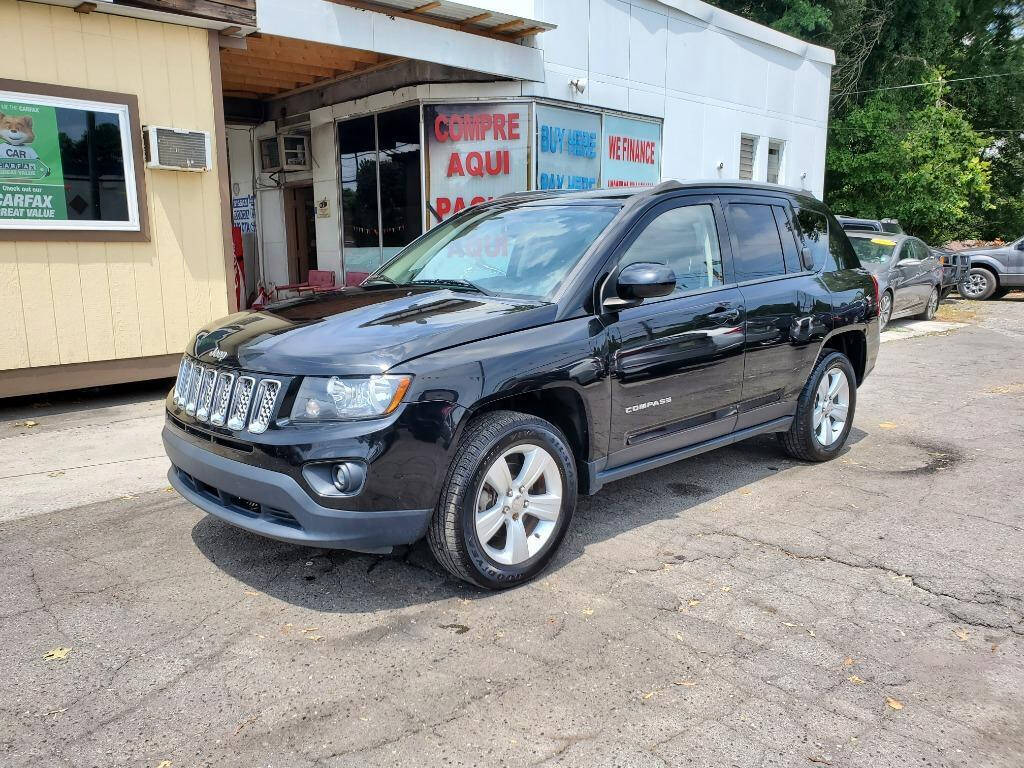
column 737, row 609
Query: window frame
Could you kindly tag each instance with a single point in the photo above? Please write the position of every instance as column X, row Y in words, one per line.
column 613, row 266
column 126, row 106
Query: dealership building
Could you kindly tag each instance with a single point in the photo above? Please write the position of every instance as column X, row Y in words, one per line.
column 166, row 160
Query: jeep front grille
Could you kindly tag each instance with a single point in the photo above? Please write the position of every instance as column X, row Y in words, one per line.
column 226, row 398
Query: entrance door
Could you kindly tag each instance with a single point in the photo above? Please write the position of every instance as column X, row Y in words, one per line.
column 678, row 361
column 300, row 220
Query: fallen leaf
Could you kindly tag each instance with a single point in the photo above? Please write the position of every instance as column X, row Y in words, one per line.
column 893, row 703
column 888, row 425
column 847, row 662
column 30, row 423
column 962, row 634
column 251, row 592
column 855, row 680
column 310, row 629
column 315, row 638
column 57, row 654
column 127, row 496
column 164, row 764
column 648, row 695
column 55, row 473
column 632, row 571
column 679, row 637
column 746, row 492
column 789, row 624
column 687, row 683
column 458, row 629
column 588, row 611
column 819, row 760
column 726, row 589
column 168, row 489
column 693, row 603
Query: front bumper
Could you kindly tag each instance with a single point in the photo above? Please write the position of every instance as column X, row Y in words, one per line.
column 273, row 504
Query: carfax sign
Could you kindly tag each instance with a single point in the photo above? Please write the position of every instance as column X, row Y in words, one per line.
column 31, row 176
column 66, row 164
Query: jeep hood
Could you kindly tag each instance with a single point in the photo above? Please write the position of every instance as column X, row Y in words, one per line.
column 361, row 330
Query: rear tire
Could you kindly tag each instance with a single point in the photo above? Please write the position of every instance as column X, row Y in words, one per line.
column 979, row 285
column 885, row 310
column 507, row 501
column 817, row 434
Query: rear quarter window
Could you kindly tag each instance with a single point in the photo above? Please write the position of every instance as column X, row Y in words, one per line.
column 826, row 240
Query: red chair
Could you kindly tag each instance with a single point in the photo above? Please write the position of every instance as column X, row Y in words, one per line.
column 319, row 280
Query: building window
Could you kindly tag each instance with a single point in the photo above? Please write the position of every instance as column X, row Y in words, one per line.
column 380, row 188
column 776, row 148
column 748, row 155
column 66, row 164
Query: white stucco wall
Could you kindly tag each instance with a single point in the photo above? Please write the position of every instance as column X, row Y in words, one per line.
column 702, row 73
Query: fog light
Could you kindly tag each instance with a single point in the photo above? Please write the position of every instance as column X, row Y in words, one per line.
column 348, row 476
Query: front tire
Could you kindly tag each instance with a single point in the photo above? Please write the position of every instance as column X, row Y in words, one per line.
column 507, row 502
column 979, row 285
column 932, row 306
column 825, row 410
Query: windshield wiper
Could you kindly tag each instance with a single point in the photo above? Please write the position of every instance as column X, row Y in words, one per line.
column 381, row 279
column 456, row 282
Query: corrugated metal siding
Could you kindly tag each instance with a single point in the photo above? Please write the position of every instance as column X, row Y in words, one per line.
column 72, row 302
column 748, row 148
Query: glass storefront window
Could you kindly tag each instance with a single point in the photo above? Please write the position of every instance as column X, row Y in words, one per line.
column 398, row 137
column 380, row 188
column 357, row 145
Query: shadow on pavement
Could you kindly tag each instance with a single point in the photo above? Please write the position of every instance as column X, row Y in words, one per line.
column 337, row 581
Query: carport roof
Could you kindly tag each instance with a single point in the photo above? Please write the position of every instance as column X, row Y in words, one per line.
column 466, row 16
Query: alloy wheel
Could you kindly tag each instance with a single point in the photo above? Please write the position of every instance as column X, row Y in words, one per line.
column 933, row 303
column 831, row 407
column 518, row 505
column 975, row 285
column 885, row 312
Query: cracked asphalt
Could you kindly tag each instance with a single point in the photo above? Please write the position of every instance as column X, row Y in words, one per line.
column 738, row 609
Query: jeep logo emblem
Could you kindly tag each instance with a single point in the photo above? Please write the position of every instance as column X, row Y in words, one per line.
column 218, row 354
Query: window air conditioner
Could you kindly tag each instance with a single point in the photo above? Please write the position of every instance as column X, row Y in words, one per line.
column 172, row 149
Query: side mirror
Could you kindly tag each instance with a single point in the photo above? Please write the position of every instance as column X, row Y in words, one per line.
column 639, row 281
column 806, row 259
column 1020, row 245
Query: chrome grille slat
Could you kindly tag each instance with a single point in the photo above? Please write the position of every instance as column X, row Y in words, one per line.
column 183, row 370
column 205, row 399
column 240, row 402
column 263, row 408
column 195, row 380
column 222, row 398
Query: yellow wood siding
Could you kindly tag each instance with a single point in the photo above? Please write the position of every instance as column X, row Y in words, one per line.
column 73, row 302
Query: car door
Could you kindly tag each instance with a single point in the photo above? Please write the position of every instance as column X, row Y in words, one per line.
column 1014, row 260
column 676, row 362
column 905, row 278
column 918, row 267
column 788, row 308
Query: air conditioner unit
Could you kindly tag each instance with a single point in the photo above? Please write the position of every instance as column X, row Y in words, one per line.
column 173, row 149
column 285, row 152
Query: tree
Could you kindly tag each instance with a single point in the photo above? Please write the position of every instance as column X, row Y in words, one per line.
column 922, row 166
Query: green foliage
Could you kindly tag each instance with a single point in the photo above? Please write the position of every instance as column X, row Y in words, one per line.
column 922, row 166
column 889, row 161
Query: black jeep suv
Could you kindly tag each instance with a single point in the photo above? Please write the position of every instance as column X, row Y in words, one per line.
column 523, row 352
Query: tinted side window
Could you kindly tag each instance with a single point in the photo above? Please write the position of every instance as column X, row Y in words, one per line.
column 814, row 235
column 789, row 250
column 685, row 239
column 840, row 249
column 757, row 249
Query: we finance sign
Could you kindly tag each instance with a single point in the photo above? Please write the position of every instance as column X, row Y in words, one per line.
column 475, row 152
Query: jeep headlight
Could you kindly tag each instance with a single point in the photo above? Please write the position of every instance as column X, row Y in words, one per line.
column 341, row 398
